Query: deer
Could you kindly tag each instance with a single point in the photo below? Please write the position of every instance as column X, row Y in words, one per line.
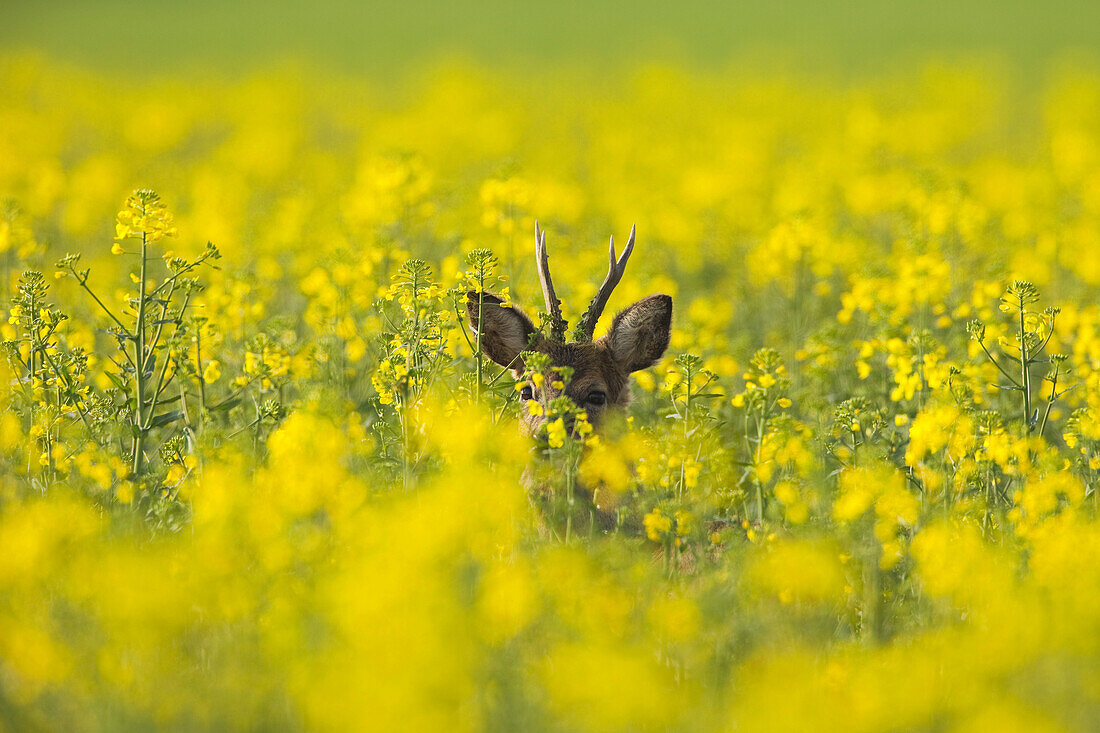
column 637, row 339
column 601, row 368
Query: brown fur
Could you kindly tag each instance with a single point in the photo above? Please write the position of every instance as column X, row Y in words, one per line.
column 636, row 340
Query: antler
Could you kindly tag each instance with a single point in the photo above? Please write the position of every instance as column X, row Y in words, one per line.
column 616, row 267
column 553, row 305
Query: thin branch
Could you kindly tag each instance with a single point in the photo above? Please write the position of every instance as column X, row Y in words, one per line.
column 176, row 276
column 164, row 317
column 84, row 284
column 997, row 364
column 1050, row 402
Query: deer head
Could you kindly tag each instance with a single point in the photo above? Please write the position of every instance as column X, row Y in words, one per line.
column 636, row 340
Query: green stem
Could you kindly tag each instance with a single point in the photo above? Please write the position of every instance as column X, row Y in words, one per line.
column 139, row 353
column 759, row 486
column 998, row 365
column 84, row 284
column 480, row 328
column 1025, row 379
column 461, row 321
column 173, row 279
column 183, row 406
column 1050, row 402
column 154, row 399
column 202, row 379
column 33, row 442
column 249, row 426
column 687, row 426
column 163, row 318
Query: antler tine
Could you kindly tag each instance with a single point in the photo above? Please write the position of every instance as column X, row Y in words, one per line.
column 553, row 305
column 615, row 269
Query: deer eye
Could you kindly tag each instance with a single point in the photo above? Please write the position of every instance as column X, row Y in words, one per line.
column 596, row 397
column 527, row 393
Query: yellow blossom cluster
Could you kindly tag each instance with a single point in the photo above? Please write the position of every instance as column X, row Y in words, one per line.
column 144, row 216
column 857, row 492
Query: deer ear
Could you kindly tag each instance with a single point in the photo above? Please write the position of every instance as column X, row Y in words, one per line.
column 639, row 335
column 505, row 331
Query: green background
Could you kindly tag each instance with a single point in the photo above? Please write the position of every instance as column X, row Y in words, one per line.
column 380, row 38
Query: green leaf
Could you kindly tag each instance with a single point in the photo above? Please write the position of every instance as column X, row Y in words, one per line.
column 166, row 418
column 116, row 380
column 227, row 404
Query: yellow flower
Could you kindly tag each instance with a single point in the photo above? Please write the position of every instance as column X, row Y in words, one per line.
column 144, row 215
column 555, row 433
column 212, row 372
column 175, row 473
column 657, row 525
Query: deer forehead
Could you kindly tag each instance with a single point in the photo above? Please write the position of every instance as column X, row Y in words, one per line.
column 593, row 368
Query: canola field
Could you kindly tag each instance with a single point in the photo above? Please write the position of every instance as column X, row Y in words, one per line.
column 254, row 473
